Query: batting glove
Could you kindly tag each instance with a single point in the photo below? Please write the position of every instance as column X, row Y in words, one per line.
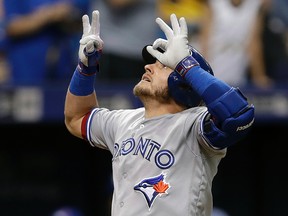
column 176, row 47
column 91, row 45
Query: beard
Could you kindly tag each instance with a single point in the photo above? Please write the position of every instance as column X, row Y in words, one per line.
column 160, row 94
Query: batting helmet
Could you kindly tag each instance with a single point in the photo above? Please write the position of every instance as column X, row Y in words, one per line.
column 178, row 87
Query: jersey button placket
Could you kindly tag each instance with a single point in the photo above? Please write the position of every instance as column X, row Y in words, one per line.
column 124, row 175
column 121, row 204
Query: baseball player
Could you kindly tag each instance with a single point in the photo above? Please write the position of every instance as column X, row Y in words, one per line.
column 166, row 153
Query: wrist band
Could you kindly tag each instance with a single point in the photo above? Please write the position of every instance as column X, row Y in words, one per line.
column 80, row 84
column 185, row 65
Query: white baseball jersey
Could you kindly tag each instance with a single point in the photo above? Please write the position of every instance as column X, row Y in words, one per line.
column 161, row 166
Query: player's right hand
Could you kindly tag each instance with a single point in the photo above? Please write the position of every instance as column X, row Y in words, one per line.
column 91, row 44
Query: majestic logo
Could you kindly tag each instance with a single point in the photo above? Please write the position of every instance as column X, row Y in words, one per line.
column 152, row 187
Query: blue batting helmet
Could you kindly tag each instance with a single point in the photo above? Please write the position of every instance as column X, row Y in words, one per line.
column 178, row 88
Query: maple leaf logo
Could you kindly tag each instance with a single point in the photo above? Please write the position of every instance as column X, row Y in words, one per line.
column 161, row 187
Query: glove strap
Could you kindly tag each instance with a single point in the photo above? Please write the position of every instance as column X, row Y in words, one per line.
column 185, row 65
column 93, row 63
column 87, row 71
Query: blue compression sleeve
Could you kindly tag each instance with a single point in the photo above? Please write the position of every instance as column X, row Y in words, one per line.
column 208, row 87
column 221, row 100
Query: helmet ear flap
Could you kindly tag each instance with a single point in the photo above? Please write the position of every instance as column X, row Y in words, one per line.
column 181, row 91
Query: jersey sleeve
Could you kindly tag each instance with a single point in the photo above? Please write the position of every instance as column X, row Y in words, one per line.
column 101, row 127
column 98, row 127
column 194, row 127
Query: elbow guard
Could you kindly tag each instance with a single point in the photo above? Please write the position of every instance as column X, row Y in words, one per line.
column 233, row 116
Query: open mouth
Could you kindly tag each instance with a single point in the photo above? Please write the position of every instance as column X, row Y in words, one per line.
column 146, row 78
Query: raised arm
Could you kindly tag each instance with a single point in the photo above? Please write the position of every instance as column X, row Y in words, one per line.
column 231, row 116
column 81, row 97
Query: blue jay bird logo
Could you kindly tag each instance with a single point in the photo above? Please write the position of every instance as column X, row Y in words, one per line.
column 152, row 187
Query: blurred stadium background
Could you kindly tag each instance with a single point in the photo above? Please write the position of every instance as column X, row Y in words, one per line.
column 45, row 171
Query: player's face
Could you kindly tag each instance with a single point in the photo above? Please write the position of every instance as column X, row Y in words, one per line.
column 154, row 82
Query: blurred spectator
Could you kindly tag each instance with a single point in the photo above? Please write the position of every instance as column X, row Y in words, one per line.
column 126, row 26
column 42, row 38
column 4, row 68
column 274, row 32
column 231, row 42
column 194, row 12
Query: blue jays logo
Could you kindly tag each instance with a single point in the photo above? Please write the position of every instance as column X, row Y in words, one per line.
column 152, row 187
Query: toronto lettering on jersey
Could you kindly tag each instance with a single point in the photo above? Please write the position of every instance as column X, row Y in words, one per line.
column 148, row 149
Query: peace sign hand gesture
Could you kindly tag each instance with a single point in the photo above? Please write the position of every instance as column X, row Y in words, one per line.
column 91, row 44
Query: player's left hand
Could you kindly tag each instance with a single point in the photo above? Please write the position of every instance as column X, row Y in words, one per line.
column 176, row 46
column 91, row 44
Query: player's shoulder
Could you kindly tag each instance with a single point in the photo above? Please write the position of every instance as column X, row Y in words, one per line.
column 118, row 112
column 196, row 110
column 190, row 114
column 130, row 114
column 193, row 113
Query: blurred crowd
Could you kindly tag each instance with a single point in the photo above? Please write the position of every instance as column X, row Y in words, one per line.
column 40, row 39
column 246, row 42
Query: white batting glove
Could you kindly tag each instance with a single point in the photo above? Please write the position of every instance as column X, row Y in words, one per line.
column 176, row 46
column 91, row 44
